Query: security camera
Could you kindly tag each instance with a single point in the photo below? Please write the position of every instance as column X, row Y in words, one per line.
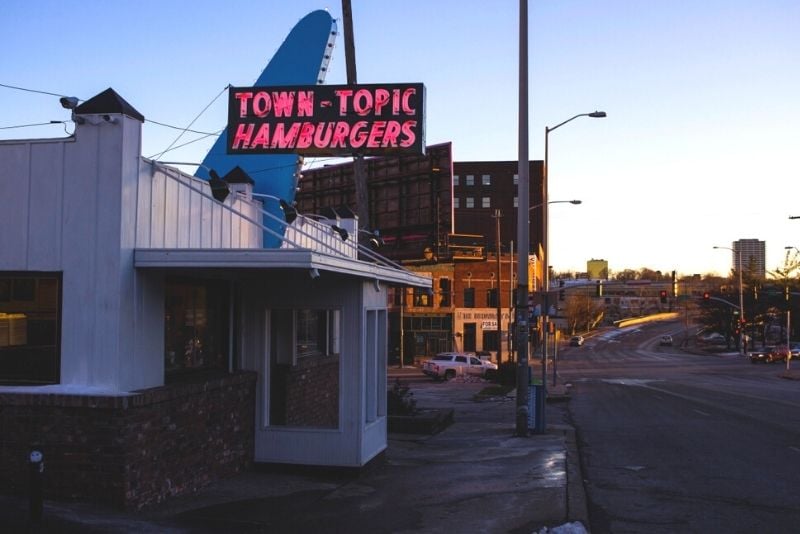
column 68, row 102
column 110, row 119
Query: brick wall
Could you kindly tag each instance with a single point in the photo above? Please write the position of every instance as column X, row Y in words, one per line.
column 313, row 392
column 131, row 451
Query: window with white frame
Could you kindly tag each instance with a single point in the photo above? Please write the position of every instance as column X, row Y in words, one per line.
column 456, row 203
column 455, row 179
column 486, row 202
column 304, row 346
column 470, row 179
column 470, row 202
column 486, row 179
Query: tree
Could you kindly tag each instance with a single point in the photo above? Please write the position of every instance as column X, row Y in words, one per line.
column 583, row 313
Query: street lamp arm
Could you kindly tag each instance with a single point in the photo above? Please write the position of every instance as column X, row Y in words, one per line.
column 539, row 205
column 594, row 114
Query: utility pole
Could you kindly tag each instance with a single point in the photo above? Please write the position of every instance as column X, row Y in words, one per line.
column 497, row 215
column 359, row 174
column 523, row 237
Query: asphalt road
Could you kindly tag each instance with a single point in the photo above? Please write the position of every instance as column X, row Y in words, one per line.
column 672, row 441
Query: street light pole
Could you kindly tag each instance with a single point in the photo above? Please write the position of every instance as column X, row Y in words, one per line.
column 497, row 215
column 546, row 239
column 522, row 230
column 741, row 296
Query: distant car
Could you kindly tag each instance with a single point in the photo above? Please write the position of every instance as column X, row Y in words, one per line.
column 666, row 340
column 576, row 341
column 713, row 338
column 760, row 355
column 448, row 365
column 780, row 353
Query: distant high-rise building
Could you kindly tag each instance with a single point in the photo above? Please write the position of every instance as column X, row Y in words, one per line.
column 597, row 269
column 754, row 257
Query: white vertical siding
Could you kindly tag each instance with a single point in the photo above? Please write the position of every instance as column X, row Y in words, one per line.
column 173, row 214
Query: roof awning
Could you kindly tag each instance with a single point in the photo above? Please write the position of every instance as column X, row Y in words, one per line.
column 273, row 259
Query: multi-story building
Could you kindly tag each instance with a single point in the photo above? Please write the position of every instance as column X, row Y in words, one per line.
column 753, row 254
column 440, row 218
column 481, row 188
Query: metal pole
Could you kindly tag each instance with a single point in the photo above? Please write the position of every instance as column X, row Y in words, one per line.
column 741, row 306
column 510, row 297
column 788, row 342
column 402, row 290
column 359, row 174
column 546, row 267
column 497, row 215
column 522, row 315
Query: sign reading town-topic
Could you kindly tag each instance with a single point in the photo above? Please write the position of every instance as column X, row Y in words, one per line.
column 369, row 119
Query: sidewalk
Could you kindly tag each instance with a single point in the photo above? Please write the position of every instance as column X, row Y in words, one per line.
column 474, row 476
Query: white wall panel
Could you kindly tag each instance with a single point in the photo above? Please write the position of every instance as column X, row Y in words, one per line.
column 15, row 182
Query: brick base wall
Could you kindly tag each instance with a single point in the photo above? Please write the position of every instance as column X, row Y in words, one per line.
column 132, row 451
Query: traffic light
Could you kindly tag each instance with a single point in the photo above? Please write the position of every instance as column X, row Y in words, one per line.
column 706, row 296
column 561, row 293
column 598, row 289
column 663, row 295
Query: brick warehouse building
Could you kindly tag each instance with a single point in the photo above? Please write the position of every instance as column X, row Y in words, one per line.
column 149, row 343
column 436, row 217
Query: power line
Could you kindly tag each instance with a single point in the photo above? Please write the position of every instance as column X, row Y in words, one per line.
column 193, row 121
column 183, row 145
column 32, row 90
column 182, row 129
column 27, row 90
column 29, row 125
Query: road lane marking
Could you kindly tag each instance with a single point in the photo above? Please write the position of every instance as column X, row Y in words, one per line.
column 702, row 413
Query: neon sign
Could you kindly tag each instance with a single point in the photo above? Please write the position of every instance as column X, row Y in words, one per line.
column 327, row 119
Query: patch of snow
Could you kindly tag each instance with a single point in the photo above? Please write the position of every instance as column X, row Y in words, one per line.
column 576, row 527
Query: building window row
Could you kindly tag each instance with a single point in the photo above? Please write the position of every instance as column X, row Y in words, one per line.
column 469, row 202
column 486, row 179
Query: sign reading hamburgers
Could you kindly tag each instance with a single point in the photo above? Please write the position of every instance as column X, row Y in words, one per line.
column 369, row 119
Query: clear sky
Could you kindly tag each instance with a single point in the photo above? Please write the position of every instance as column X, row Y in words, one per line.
column 699, row 149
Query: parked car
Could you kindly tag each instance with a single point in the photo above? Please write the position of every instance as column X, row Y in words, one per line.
column 448, row 365
column 666, row 340
column 760, row 355
column 576, row 341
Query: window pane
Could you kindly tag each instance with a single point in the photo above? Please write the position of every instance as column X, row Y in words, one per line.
column 470, row 202
column 470, row 179
column 469, row 297
column 195, row 325
column 455, row 179
column 490, row 340
column 30, row 328
column 486, row 202
column 516, row 179
column 444, row 292
column 486, row 179
column 456, row 203
column 516, row 202
column 304, row 368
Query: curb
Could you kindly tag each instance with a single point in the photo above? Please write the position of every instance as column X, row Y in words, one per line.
column 577, row 506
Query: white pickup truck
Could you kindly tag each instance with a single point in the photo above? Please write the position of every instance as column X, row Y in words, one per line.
column 447, row 365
